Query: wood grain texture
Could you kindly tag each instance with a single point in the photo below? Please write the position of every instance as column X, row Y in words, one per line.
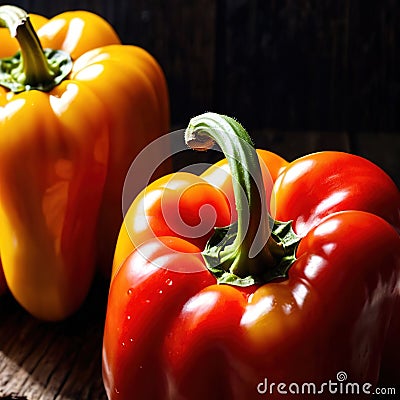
column 311, row 65
column 286, row 66
column 303, row 65
column 52, row 361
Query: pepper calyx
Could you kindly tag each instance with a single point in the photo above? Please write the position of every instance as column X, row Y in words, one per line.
column 219, row 248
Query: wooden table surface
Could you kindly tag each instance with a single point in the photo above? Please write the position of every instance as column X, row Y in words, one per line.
column 52, row 361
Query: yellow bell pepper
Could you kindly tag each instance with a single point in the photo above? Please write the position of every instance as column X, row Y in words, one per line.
column 72, row 119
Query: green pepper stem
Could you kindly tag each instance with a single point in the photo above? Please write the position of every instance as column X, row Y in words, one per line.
column 35, row 68
column 253, row 247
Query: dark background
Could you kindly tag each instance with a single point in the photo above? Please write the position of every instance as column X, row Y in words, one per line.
column 300, row 75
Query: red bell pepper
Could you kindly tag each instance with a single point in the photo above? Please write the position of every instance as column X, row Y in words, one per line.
column 264, row 303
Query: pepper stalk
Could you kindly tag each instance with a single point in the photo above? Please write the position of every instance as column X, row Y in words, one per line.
column 255, row 249
column 32, row 67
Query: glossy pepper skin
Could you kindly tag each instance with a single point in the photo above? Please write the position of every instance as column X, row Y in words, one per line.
column 64, row 154
column 173, row 332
